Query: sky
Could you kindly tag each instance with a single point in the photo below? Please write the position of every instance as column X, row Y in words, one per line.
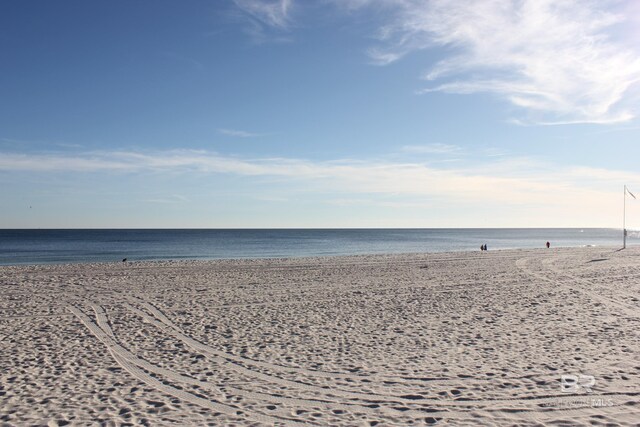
column 314, row 114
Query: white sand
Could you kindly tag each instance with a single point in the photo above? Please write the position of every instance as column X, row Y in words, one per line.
column 455, row 338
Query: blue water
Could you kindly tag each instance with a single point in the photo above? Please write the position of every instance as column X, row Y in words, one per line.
column 64, row 246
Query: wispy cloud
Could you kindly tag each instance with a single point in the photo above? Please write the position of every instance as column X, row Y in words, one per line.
column 435, row 148
column 263, row 17
column 68, row 145
column 558, row 61
column 520, row 181
column 171, row 199
column 272, row 13
column 239, row 133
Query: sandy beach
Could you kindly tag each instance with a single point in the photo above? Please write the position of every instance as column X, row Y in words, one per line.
column 517, row 337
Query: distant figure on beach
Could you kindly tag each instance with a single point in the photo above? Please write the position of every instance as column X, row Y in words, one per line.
column 482, row 247
column 124, row 260
column 548, row 245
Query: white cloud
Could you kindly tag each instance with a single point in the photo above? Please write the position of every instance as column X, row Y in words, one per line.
column 266, row 16
column 557, row 60
column 435, row 148
column 521, row 182
column 171, row 199
column 272, row 13
column 238, row 133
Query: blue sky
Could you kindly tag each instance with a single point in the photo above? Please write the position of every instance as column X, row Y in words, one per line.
column 291, row 113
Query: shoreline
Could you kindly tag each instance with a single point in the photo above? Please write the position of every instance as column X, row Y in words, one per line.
column 88, row 246
column 311, row 257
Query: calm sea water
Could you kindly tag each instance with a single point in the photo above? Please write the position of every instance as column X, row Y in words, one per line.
column 63, row 246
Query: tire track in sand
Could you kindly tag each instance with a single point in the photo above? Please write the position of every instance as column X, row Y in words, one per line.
column 522, row 265
column 627, row 309
column 301, row 402
column 368, row 397
column 120, row 355
column 313, row 372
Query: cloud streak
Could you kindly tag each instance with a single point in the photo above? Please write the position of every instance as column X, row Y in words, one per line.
column 520, row 181
column 558, row 61
column 238, row 133
column 264, row 16
column 271, row 13
column 436, row 148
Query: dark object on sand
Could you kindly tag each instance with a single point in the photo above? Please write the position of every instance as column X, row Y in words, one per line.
column 548, row 245
column 124, row 260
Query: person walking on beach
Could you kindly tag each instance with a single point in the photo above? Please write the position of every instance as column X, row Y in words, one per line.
column 548, row 245
column 482, row 247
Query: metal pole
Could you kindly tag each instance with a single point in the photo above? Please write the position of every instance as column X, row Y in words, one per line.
column 624, row 219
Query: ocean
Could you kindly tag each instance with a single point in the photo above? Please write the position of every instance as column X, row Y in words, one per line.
column 106, row 245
